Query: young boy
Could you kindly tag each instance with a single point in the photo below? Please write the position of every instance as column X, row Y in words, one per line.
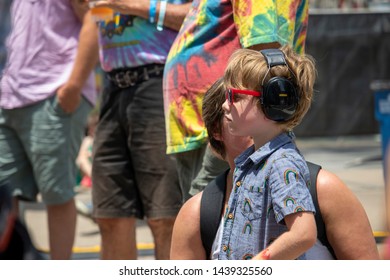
column 270, row 211
column 344, row 217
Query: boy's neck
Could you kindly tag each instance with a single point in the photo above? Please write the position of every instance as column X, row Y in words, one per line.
column 262, row 139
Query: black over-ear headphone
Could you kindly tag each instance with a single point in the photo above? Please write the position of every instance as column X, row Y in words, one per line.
column 279, row 98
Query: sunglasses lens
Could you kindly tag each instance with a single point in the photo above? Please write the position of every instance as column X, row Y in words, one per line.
column 229, row 96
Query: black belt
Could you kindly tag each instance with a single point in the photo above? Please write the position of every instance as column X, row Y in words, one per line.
column 127, row 77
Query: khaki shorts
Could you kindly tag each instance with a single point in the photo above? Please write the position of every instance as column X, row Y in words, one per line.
column 188, row 165
column 197, row 168
column 211, row 167
column 38, row 148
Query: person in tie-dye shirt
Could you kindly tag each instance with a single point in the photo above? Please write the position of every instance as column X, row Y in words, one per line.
column 132, row 175
column 211, row 32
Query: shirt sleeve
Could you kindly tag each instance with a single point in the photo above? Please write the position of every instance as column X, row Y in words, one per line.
column 288, row 181
column 266, row 21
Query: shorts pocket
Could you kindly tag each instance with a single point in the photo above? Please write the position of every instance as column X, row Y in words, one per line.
column 55, row 109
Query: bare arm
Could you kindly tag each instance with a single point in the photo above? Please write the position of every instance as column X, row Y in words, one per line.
column 69, row 95
column 174, row 15
column 186, row 240
column 80, row 8
column 347, row 225
column 300, row 237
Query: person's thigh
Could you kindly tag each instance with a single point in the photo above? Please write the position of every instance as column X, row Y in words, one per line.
column 15, row 167
column 52, row 140
column 188, row 166
column 114, row 192
column 156, row 172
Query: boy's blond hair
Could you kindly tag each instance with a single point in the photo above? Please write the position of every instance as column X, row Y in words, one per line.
column 247, row 69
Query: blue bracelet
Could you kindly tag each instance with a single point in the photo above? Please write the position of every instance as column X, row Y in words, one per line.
column 152, row 10
column 161, row 15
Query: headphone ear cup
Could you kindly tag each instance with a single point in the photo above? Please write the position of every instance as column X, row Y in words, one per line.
column 279, row 99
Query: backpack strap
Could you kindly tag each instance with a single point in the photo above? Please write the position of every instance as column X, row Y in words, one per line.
column 314, row 169
column 211, row 207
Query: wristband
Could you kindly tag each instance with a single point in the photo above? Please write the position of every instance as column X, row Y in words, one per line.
column 152, row 10
column 161, row 15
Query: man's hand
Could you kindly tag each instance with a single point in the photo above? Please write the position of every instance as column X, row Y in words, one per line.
column 174, row 16
column 126, row 7
column 69, row 98
column 80, row 7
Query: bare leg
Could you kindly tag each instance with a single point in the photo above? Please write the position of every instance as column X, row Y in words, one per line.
column 62, row 229
column 118, row 238
column 162, row 234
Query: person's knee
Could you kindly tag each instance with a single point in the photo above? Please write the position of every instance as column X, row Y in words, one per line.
column 161, row 227
column 109, row 226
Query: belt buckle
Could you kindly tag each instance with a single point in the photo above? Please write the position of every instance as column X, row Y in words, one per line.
column 157, row 69
column 126, row 79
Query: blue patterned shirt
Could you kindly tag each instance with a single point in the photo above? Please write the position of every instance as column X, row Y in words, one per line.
column 269, row 184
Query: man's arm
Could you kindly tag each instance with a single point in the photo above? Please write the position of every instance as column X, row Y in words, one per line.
column 347, row 226
column 186, row 240
column 174, row 15
column 69, row 95
column 300, row 237
column 80, row 8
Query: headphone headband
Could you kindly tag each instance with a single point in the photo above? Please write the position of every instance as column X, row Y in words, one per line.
column 274, row 57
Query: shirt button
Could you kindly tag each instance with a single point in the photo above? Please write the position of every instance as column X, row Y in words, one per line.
column 224, row 248
column 238, row 184
column 230, row 216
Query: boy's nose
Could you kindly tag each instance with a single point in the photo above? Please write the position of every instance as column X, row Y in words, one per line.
column 226, row 106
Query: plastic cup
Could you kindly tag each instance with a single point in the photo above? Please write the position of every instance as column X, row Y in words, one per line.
column 101, row 13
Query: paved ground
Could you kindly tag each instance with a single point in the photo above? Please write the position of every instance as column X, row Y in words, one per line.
column 356, row 160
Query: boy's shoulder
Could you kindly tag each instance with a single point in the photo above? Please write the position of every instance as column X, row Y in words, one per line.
column 285, row 158
column 287, row 151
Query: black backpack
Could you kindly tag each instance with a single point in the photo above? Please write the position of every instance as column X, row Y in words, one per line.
column 18, row 245
column 212, row 202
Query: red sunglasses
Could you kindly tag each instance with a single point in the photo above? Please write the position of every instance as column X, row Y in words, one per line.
column 230, row 92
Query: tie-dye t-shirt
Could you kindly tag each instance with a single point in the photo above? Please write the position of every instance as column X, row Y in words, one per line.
column 211, row 32
column 129, row 41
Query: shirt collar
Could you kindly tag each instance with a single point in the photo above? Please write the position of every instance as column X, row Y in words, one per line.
column 250, row 155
